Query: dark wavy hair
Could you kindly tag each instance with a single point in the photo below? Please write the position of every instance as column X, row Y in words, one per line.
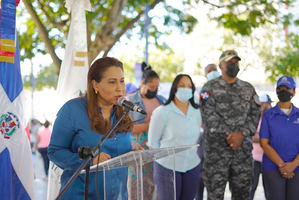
column 96, row 72
column 174, row 88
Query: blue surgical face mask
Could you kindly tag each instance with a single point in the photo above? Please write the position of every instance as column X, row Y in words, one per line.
column 212, row 75
column 184, row 94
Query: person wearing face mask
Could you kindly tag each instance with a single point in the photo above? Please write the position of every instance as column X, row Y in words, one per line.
column 148, row 99
column 279, row 137
column 230, row 117
column 211, row 72
column 257, row 151
column 174, row 124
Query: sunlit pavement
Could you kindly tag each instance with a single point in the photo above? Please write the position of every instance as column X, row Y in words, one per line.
column 259, row 193
column 40, row 179
column 41, row 182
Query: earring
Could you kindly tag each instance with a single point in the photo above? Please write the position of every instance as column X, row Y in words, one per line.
column 96, row 92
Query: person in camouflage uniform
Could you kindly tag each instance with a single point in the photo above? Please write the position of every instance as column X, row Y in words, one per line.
column 230, row 116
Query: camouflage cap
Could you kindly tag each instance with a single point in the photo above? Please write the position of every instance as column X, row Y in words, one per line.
column 227, row 55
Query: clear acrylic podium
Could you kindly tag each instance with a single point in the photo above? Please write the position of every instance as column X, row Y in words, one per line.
column 137, row 159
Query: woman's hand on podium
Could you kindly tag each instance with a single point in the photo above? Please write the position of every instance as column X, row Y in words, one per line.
column 137, row 147
column 101, row 158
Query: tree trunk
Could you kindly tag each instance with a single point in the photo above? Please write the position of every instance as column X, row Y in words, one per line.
column 43, row 33
column 105, row 40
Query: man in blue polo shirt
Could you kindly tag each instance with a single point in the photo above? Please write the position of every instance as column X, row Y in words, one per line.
column 280, row 140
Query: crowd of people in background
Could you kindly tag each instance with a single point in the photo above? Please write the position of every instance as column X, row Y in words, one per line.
column 230, row 150
column 257, row 151
column 40, row 135
column 241, row 135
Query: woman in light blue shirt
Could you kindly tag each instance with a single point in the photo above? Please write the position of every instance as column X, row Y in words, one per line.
column 174, row 124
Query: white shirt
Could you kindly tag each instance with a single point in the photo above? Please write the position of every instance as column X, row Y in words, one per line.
column 170, row 127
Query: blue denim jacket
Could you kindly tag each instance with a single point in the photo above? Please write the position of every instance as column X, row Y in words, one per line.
column 137, row 99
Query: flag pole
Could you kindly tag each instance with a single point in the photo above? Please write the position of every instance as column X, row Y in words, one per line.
column 32, row 89
column 146, row 32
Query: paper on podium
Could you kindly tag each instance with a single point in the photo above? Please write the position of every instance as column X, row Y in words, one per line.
column 141, row 157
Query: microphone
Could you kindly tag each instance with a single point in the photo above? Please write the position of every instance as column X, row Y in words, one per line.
column 121, row 101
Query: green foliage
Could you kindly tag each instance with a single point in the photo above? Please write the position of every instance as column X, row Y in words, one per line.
column 28, row 42
column 47, row 77
column 56, row 21
column 242, row 16
column 279, row 56
column 287, row 61
column 239, row 16
column 129, row 65
column 166, row 63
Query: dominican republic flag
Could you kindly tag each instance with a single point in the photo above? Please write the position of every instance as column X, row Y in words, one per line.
column 7, row 30
column 16, row 168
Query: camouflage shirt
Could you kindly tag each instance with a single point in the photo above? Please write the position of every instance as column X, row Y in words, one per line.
column 227, row 108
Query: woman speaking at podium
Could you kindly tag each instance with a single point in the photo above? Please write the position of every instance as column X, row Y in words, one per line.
column 83, row 121
column 177, row 123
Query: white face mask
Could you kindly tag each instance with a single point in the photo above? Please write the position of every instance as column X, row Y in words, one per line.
column 212, row 75
column 184, row 94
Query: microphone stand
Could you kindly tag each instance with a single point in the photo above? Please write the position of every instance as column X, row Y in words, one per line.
column 87, row 153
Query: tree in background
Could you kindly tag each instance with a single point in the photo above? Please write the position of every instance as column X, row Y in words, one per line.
column 278, row 50
column 109, row 21
column 113, row 19
column 45, row 31
column 46, row 77
column 166, row 63
column 287, row 61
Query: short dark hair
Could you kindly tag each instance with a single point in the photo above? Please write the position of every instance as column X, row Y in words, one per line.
column 209, row 66
column 46, row 124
